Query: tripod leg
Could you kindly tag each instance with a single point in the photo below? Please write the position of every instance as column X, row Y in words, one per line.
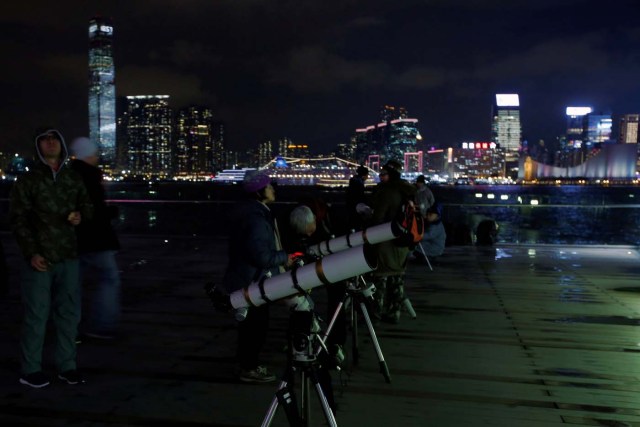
column 336, row 313
column 328, row 413
column 384, row 369
column 407, row 305
column 425, row 256
column 271, row 412
column 354, row 333
column 306, row 404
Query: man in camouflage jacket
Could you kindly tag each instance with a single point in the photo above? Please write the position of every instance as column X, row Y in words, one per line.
column 46, row 204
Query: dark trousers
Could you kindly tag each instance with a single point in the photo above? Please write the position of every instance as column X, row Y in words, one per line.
column 252, row 334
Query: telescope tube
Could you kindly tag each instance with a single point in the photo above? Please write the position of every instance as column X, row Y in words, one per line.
column 327, row 270
column 376, row 234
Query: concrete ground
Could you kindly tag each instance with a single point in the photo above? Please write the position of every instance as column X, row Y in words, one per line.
column 506, row 336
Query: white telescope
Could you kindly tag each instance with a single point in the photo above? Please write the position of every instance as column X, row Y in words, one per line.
column 330, row 269
column 372, row 235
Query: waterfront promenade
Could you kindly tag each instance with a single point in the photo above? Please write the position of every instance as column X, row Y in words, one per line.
column 507, row 336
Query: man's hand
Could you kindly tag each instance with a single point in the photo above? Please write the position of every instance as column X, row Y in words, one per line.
column 74, row 218
column 290, row 260
column 39, row 263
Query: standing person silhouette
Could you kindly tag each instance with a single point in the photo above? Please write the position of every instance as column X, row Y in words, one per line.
column 254, row 251
column 390, row 195
column 47, row 203
column 97, row 244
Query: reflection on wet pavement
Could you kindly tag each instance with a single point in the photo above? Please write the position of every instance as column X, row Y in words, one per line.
column 508, row 336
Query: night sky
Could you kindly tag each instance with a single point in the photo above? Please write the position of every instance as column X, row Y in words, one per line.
column 316, row 70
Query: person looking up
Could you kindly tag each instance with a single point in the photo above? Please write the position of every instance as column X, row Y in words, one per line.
column 47, row 203
column 388, row 199
column 254, row 251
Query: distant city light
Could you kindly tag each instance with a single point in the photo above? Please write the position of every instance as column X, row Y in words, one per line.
column 507, row 100
column 578, row 111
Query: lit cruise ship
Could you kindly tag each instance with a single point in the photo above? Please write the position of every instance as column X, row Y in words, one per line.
column 231, row 176
column 325, row 171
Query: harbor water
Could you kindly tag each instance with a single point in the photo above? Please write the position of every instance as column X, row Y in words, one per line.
column 589, row 215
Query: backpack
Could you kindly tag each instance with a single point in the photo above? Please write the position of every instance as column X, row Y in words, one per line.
column 408, row 225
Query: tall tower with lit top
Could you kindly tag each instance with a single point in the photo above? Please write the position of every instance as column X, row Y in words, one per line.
column 102, row 90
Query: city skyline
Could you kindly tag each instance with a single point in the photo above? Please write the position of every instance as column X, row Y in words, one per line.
column 315, row 72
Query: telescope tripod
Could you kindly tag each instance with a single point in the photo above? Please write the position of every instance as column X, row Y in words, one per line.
column 358, row 296
column 425, row 255
column 302, row 359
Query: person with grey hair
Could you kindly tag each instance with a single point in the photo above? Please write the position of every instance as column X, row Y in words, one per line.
column 304, row 230
column 98, row 244
column 302, row 221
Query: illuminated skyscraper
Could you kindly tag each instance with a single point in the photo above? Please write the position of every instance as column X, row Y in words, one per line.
column 265, row 153
column 506, row 129
column 148, row 126
column 102, row 90
column 629, row 129
column 576, row 125
column 597, row 129
column 395, row 135
column 194, row 147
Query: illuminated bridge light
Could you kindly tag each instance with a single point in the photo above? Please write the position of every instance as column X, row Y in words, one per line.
column 479, row 195
column 504, row 197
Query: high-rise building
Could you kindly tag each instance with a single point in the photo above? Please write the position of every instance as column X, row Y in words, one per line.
column 597, row 130
column 194, row 142
column 148, row 123
column 265, row 153
column 283, row 146
column 388, row 113
column 477, row 160
column 506, row 129
column 299, row 151
column 219, row 135
column 576, row 125
column 395, row 135
column 571, row 149
column 102, row 90
column 628, row 132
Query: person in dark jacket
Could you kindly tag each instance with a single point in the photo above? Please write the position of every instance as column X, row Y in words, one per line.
column 97, row 244
column 255, row 250
column 355, row 196
column 47, row 203
column 388, row 198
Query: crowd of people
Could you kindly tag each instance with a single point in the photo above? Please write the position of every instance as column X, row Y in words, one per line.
column 62, row 224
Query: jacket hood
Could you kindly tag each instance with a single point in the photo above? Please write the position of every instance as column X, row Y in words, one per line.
column 64, row 153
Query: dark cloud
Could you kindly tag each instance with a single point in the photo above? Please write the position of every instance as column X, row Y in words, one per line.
column 314, row 71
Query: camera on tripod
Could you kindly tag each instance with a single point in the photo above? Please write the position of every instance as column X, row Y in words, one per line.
column 303, row 332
